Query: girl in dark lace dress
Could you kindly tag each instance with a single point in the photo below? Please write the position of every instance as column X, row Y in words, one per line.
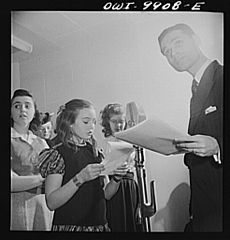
column 122, row 206
column 74, row 187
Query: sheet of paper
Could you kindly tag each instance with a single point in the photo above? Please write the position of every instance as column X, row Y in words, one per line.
column 153, row 134
column 118, row 154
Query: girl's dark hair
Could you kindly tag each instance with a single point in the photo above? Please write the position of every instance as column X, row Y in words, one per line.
column 67, row 115
column 107, row 113
column 34, row 124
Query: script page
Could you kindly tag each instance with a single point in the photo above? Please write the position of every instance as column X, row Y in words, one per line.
column 153, row 134
column 119, row 152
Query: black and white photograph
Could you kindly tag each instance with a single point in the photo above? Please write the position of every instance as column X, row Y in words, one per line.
column 117, row 119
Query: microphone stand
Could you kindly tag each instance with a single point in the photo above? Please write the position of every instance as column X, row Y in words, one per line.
column 145, row 211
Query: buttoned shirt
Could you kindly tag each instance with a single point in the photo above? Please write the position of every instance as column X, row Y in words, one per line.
column 200, row 73
column 24, row 152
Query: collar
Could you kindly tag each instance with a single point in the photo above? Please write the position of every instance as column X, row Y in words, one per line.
column 200, row 73
column 77, row 141
column 15, row 134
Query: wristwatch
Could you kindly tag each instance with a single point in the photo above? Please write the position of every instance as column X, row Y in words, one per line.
column 76, row 181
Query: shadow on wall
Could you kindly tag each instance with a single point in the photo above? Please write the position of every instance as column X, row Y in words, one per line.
column 175, row 215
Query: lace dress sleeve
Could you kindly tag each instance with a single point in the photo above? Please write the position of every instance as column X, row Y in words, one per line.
column 51, row 162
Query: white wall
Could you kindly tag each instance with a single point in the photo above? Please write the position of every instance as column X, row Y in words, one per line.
column 15, row 77
column 123, row 63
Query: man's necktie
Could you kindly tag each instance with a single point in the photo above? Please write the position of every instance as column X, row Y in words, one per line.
column 194, row 86
column 194, row 89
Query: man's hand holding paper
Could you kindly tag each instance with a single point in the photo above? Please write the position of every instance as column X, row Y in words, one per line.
column 198, row 144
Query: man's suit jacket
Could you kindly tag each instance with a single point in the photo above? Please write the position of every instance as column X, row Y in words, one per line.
column 206, row 118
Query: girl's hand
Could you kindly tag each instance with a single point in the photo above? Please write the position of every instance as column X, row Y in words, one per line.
column 121, row 170
column 90, row 172
column 41, row 179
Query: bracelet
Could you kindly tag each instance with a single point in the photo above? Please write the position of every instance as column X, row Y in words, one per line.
column 76, row 181
column 115, row 179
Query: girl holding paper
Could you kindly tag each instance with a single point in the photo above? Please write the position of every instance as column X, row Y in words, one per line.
column 74, row 186
column 122, row 206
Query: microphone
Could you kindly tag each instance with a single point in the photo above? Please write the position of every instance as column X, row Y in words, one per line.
column 134, row 114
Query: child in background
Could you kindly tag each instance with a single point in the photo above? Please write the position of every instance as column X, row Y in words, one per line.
column 46, row 126
column 122, row 206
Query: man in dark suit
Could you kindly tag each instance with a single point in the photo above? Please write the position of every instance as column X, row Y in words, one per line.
column 204, row 147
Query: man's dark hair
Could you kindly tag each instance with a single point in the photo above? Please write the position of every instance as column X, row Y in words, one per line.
column 180, row 26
